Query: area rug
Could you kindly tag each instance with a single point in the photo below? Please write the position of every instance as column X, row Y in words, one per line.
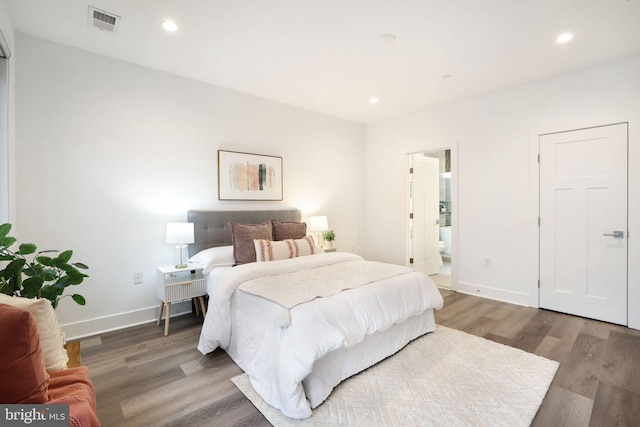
column 445, row 378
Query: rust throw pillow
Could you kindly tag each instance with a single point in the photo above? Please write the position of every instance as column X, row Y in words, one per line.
column 22, row 369
column 51, row 342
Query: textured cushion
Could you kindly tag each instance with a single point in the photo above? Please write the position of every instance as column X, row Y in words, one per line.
column 22, row 372
column 288, row 230
column 267, row 250
column 242, row 237
column 220, row 256
column 51, row 341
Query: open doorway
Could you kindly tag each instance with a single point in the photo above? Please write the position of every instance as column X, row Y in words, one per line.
column 430, row 214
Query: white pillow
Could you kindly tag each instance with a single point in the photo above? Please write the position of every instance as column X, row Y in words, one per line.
column 269, row 250
column 51, row 341
column 220, row 256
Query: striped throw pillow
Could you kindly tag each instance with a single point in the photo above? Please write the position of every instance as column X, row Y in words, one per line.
column 269, row 250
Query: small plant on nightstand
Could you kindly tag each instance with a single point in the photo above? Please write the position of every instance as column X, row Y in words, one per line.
column 328, row 236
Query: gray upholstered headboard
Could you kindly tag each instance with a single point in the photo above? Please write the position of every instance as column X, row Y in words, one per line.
column 211, row 227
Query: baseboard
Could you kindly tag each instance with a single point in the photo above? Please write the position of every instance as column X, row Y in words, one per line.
column 100, row 325
column 493, row 293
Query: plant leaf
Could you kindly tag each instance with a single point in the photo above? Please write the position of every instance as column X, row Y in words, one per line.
column 27, row 248
column 7, row 241
column 14, row 284
column 70, row 279
column 31, row 287
column 79, row 299
column 45, row 260
column 68, row 268
column 48, row 274
column 78, row 278
column 4, row 230
column 81, row 265
column 5, row 287
column 33, row 284
column 49, row 293
column 13, row 269
column 64, row 257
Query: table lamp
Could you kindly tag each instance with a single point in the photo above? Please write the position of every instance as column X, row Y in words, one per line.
column 318, row 224
column 180, row 234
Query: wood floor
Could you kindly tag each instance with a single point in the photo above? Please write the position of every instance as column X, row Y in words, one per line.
column 143, row 378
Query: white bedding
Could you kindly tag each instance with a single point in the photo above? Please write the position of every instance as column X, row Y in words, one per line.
column 278, row 359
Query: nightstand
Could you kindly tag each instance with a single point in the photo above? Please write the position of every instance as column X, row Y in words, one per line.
column 177, row 284
column 329, row 249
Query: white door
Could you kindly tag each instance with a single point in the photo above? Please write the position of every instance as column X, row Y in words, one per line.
column 426, row 202
column 583, row 222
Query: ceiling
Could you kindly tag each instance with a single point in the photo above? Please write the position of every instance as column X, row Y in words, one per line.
column 326, row 55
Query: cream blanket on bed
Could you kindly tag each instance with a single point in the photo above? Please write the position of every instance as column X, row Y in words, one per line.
column 294, row 288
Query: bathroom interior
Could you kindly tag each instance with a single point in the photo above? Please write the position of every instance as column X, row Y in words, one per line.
column 443, row 278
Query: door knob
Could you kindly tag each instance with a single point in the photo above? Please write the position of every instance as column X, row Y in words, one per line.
column 618, row 234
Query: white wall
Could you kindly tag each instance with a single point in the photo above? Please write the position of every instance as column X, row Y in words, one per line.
column 108, row 152
column 496, row 138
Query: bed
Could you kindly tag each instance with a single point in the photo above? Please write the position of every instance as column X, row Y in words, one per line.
column 286, row 323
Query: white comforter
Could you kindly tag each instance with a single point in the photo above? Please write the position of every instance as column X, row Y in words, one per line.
column 278, row 359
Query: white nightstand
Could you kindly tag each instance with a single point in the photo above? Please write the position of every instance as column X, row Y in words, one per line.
column 177, row 284
column 329, row 249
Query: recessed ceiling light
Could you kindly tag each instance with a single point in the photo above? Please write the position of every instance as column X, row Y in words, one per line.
column 169, row 25
column 564, row 37
column 387, row 38
column 374, row 100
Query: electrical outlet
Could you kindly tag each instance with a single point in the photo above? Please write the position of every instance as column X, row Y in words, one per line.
column 487, row 262
column 138, row 278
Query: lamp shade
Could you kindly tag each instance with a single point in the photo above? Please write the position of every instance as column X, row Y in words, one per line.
column 318, row 223
column 180, row 233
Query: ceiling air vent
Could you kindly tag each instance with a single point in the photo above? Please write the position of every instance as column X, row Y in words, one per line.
column 102, row 20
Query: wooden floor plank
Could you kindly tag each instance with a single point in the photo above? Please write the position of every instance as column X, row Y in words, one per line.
column 502, row 311
column 563, row 408
column 615, row 406
column 513, row 323
column 554, row 348
column 530, row 335
column 621, row 362
column 481, row 326
column 468, row 317
column 579, row 372
column 143, row 410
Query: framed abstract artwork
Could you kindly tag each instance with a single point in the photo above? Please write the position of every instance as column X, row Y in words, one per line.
column 246, row 176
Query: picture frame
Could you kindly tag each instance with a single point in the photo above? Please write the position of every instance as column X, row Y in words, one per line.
column 247, row 176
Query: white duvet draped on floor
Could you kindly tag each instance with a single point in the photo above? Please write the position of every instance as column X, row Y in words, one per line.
column 278, row 359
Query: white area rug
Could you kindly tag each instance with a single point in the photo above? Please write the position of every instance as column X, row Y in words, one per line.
column 445, row 378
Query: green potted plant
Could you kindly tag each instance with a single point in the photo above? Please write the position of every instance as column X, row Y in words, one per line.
column 328, row 237
column 42, row 276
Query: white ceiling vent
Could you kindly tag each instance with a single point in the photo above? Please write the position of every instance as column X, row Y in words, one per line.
column 104, row 21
